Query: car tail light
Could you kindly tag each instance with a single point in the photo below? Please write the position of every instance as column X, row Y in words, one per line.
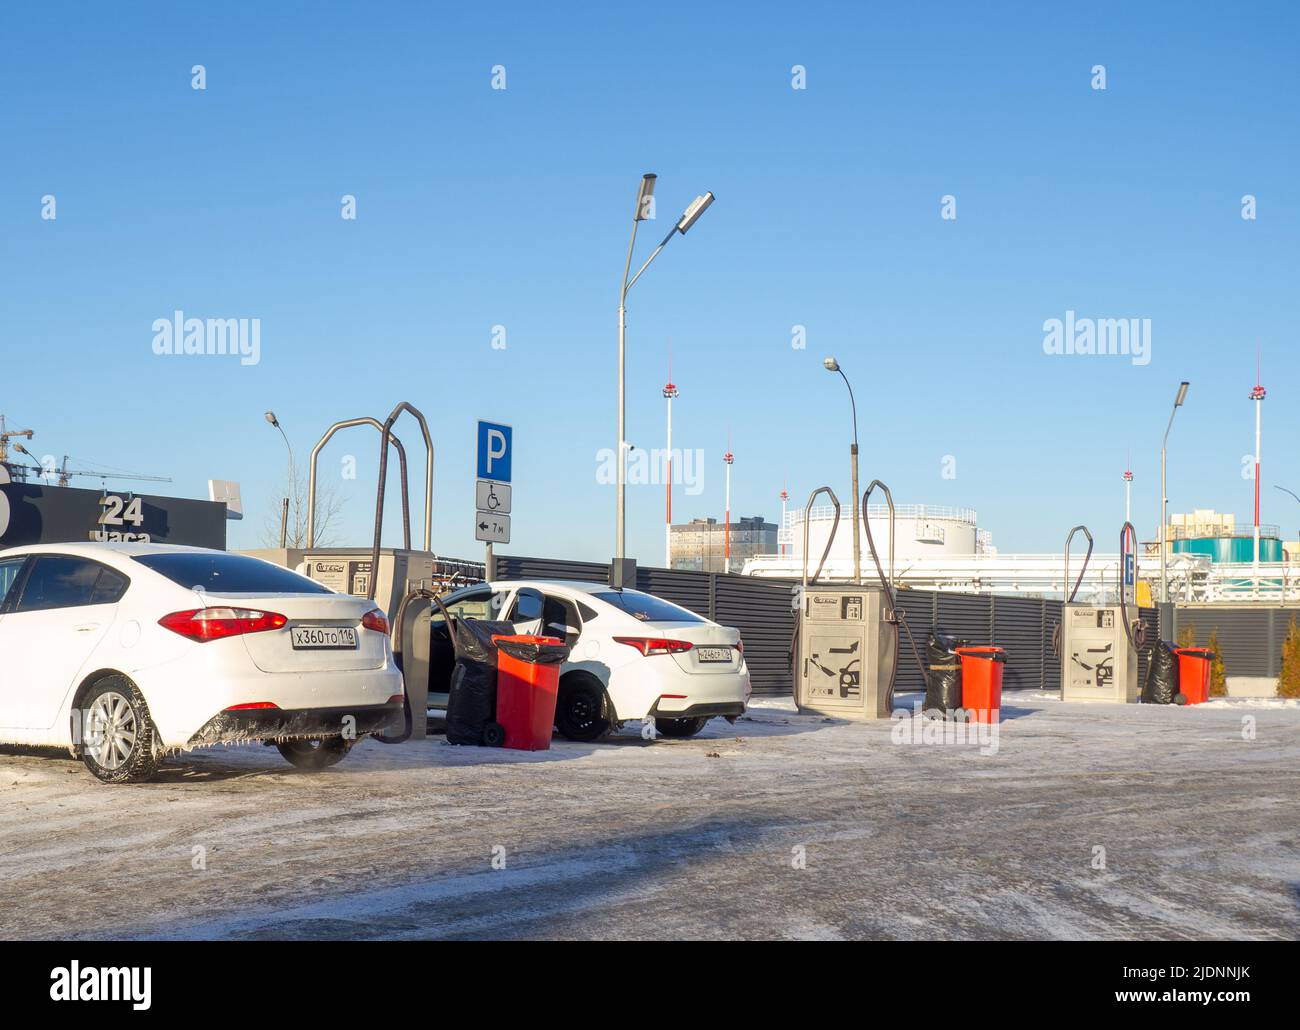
column 740, row 646
column 259, row 705
column 655, row 645
column 396, row 699
column 204, row 624
column 376, row 620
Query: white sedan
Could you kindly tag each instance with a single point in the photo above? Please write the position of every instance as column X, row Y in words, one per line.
column 633, row 656
column 125, row 652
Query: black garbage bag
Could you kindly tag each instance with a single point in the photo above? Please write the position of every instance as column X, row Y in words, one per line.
column 472, row 697
column 534, row 651
column 1161, row 686
column 943, row 674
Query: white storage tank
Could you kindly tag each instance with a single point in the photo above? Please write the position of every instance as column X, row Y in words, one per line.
column 924, row 530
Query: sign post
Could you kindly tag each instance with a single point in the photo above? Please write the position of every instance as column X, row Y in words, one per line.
column 492, row 492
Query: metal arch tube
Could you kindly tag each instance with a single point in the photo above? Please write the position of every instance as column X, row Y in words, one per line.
column 1065, row 585
column 383, row 477
column 829, row 540
column 866, row 522
column 347, row 423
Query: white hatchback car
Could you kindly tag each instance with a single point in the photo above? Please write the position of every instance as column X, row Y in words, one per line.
column 632, row 655
column 125, row 652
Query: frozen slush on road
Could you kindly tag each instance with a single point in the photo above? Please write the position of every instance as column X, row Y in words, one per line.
column 124, row 652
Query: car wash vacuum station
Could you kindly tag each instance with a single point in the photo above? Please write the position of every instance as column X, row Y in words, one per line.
column 847, row 634
column 1099, row 644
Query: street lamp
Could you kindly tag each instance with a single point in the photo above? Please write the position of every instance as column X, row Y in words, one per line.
column 1164, row 493
column 1297, row 497
column 644, row 197
column 284, row 510
column 834, row 366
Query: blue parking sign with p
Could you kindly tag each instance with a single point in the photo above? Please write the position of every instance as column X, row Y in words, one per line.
column 494, row 451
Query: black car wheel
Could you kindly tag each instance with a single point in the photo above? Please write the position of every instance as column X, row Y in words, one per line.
column 581, row 710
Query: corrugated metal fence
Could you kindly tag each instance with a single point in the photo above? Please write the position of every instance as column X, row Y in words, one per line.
column 1249, row 638
column 763, row 611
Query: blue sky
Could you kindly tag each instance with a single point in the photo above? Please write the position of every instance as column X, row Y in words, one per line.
column 479, row 207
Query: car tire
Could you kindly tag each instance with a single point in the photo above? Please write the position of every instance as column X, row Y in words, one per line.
column 315, row 754
column 494, row 735
column 582, row 709
column 680, row 727
column 118, row 739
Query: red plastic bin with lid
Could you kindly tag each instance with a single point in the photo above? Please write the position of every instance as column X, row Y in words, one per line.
column 1194, row 665
column 981, row 682
column 528, row 682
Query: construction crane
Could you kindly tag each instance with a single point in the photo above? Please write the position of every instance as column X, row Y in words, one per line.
column 7, row 434
column 65, row 474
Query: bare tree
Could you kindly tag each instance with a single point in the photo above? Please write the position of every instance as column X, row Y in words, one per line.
column 328, row 506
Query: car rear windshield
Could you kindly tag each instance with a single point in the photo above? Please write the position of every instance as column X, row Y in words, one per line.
column 228, row 574
column 646, row 607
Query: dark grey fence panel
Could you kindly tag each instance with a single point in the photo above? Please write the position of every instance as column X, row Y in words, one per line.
column 1249, row 639
column 1051, row 660
column 1018, row 627
column 918, row 607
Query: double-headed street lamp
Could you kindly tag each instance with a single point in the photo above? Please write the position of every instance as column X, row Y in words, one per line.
column 834, row 366
column 1164, row 494
column 644, row 203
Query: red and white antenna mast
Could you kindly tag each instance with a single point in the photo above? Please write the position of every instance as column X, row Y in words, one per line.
column 1257, row 395
column 1128, row 486
column 670, row 391
column 726, row 526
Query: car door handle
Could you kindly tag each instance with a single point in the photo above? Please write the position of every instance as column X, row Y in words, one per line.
column 86, row 627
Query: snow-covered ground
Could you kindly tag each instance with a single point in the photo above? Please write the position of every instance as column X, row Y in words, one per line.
column 1074, row 821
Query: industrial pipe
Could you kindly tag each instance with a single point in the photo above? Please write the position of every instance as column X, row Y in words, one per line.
column 385, row 432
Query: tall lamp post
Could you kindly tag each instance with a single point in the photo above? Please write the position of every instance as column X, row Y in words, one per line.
column 1164, row 493
column 1297, row 498
column 644, row 204
column 834, row 366
column 785, row 496
column 284, row 510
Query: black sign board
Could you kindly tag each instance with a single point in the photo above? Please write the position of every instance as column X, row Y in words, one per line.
column 35, row 514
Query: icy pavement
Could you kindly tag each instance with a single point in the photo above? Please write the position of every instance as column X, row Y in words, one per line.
column 1080, row 821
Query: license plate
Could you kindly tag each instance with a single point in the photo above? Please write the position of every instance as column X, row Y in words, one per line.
column 323, row 638
column 714, row 654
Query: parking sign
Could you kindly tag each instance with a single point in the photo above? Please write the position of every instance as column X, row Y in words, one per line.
column 494, row 451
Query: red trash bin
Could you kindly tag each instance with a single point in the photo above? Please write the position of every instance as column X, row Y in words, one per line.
column 1194, row 665
column 981, row 682
column 528, row 680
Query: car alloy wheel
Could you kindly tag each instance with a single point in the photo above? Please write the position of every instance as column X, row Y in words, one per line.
column 111, row 731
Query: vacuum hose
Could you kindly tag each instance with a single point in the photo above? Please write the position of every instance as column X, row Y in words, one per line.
column 894, row 616
column 1137, row 632
column 398, row 623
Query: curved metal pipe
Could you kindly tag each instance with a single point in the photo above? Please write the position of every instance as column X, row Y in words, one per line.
column 887, row 585
column 829, row 540
column 347, row 423
column 383, row 477
column 1137, row 638
column 1086, row 558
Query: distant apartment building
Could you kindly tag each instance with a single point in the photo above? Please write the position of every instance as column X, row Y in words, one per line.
column 700, row 544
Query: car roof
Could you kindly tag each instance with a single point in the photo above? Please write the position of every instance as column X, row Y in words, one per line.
column 100, row 548
column 571, row 585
